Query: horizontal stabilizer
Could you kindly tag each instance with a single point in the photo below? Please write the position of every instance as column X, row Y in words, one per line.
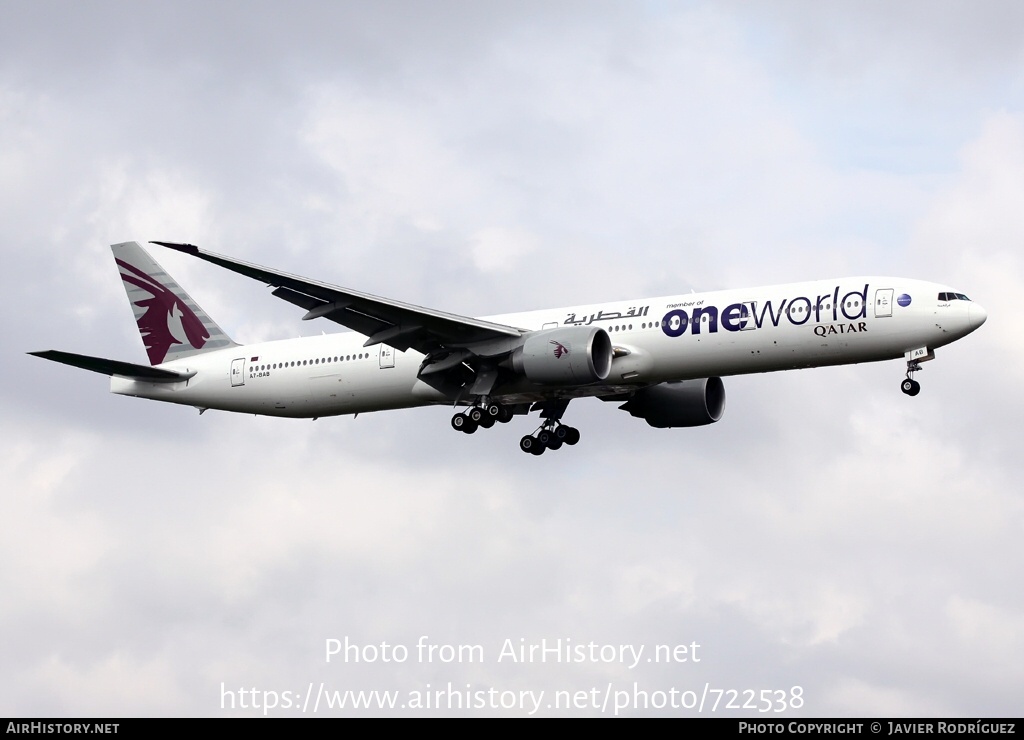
column 115, row 367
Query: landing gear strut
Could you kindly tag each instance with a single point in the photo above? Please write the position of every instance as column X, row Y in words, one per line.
column 910, row 386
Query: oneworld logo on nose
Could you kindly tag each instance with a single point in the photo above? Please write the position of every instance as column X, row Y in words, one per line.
column 828, row 307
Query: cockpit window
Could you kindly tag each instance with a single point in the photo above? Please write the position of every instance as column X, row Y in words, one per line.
column 953, row 297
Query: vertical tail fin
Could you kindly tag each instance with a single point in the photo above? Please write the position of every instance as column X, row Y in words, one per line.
column 172, row 325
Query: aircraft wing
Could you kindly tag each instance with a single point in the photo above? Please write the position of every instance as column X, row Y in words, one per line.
column 381, row 320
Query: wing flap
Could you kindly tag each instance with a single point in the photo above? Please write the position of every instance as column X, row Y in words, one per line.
column 301, row 300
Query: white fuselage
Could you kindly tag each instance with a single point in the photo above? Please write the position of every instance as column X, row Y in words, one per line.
column 731, row 332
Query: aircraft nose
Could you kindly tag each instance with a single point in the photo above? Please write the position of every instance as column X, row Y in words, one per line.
column 977, row 315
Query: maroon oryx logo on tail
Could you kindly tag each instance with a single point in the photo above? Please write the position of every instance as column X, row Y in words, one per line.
column 560, row 349
column 167, row 319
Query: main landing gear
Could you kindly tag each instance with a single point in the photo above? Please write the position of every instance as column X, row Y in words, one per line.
column 551, row 436
column 481, row 416
column 910, row 386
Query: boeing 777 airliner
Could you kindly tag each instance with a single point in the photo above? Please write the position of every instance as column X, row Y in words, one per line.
column 661, row 358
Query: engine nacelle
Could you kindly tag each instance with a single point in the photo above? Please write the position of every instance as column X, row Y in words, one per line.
column 679, row 403
column 570, row 355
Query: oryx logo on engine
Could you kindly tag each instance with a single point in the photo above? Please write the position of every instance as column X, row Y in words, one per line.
column 560, row 349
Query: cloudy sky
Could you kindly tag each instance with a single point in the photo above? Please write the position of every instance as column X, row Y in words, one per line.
column 829, row 533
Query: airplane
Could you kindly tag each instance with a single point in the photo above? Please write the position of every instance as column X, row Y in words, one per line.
column 662, row 358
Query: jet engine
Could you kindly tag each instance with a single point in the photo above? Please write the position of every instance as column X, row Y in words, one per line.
column 569, row 355
column 679, row 403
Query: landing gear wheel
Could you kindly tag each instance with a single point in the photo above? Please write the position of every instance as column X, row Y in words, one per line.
column 486, row 422
column 504, row 416
column 545, row 437
column 530, row 444
column 476, row 414
column 554, row 444
column 459, row 422
column 572, row 435
column 910, row 387
column 493, row 410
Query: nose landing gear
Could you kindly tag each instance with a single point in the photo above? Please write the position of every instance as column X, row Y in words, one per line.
column 910, row 386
